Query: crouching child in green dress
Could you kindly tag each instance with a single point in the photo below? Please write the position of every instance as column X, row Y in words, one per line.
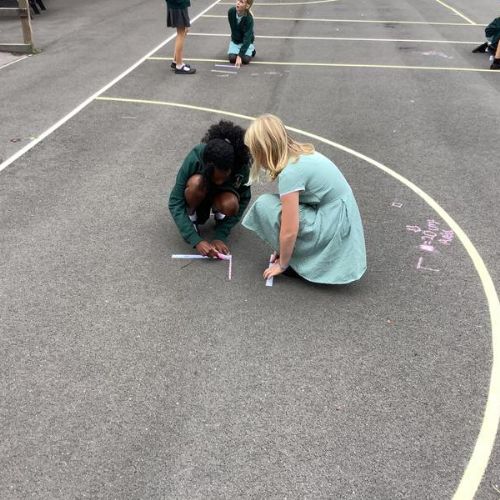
column 313, row 224
column 212, row 179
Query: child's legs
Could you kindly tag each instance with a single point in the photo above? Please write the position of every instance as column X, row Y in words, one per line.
column 497, row 53
column 179, row 44
column 226, row 203
column 195, row 192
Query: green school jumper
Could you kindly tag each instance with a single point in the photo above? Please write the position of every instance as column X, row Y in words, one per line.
column 241, row 32
column 236, row 183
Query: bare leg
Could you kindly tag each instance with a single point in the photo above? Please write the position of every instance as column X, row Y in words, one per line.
column 226, row 203
column 179, row 45
column 195, row 192
column 496, row 61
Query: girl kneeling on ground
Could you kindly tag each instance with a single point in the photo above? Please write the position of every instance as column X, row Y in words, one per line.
column 241, row 48
column 314, row 223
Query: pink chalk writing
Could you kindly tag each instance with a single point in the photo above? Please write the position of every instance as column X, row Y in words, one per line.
column 420, row 266
column 431, row 235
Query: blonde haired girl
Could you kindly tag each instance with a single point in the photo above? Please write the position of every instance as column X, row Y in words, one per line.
column 313, row 224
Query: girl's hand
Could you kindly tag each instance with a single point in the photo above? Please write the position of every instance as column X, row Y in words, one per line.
column 205, row 248
column 273, row 270
column 220, row 247
column 237, row 64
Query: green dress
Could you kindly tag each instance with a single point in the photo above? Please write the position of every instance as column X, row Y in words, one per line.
column 330, row 246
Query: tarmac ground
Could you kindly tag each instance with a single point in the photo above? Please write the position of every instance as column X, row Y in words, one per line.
column 127, row 374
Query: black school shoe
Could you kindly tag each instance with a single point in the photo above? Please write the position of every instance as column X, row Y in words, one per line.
column 185, row 70
column 481, row 49
column 174, row 66
column 495, row 64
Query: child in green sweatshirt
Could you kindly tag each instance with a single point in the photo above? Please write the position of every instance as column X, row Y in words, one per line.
column 491, row 46
column 241, row 47
column 213, row 177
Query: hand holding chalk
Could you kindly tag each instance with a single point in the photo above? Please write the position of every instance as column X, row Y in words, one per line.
column 275, row 268
column 269, row 281
column 220, row 247
column 206, row 249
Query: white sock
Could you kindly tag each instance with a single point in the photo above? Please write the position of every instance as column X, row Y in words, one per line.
column 219, row 216
column 193, row 217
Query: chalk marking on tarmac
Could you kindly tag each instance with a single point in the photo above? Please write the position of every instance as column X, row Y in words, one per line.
column 455, row 11
column 92, row 98
column 270, row 281
column 343, row 39
column 263, row 18
column 339, row 65
column 220, row 256
column 224, row 71
column 486, row 438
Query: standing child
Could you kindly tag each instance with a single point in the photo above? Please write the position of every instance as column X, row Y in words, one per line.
column 241, row 48
column 213, row 177
column 178, row 17
column 314, row 223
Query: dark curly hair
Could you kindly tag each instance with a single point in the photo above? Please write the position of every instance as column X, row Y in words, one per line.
column 233, row 137
column 218, row 154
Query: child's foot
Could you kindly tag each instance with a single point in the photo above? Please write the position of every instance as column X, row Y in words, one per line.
column 495, row 64
column 218, row 216
column 185, row 69
column 173, row 65
column 194, row 219
column 482, row 48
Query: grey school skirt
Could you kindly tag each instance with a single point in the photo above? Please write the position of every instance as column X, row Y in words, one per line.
column 178, row 18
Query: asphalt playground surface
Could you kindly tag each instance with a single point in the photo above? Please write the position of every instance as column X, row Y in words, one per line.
column 127, row 374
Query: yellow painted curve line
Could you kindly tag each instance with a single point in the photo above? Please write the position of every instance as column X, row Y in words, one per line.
column 338, row 65
column 265, row 4
column 294, row 19
column 484, row 444
column 455, row 11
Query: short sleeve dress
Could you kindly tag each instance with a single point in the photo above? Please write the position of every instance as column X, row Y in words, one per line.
column 330, row 246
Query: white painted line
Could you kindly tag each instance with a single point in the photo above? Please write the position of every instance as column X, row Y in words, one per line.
column 225, row 65
column 14, row 62
column 87, row 101
column 223, row 71
column 455, row 11
column 339, row 65
column 301, row 19
column 483, row 447
column 343, row 39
